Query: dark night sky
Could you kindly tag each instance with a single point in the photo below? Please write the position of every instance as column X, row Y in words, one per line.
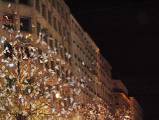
column 127, row 34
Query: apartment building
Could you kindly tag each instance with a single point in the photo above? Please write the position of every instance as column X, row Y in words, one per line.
column 137, row 110
column 74, row 57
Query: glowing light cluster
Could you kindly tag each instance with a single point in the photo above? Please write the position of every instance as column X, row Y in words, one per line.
column 27, row 88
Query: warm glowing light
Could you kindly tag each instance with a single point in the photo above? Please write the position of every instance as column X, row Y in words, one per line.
column 57, row 95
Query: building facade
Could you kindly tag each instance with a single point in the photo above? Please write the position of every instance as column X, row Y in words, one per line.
column 137, row 110
column 79, row 77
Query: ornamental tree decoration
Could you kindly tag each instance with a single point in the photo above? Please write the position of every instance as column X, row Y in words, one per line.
column 102, row 111
column 31, row 89
column 89, row 111
column 123, row 112
column 94, row 111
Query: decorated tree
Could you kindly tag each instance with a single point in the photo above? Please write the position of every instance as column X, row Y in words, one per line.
column 94, row 110
column 34, row 84
column 123, row 112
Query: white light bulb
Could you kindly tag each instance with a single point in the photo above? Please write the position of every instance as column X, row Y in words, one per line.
column 2, row 40
column 11, row 65
column 58, row 95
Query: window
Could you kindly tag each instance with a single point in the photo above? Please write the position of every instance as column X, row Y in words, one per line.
column 43, row 11
column 62, row 12
column 61, row 52
column 55, row 23
column 37, row 5
column 58, row 25
column 25, row 24
column 117, row 90
column 50, row 17
column 63, row 31
column 52, row 65
column 25, row 2
column 38, row 28
column 58, row 7
column 56, row 45
column 67, row 34
column 51, row 44
column 54, row 3
column 60, row 28
column 13, row 1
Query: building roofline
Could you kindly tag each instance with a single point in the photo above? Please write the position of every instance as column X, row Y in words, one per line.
column 120, row 85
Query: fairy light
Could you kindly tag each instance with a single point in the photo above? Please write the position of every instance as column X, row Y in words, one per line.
column 2, row 39
column 58, row 96
column 32, row 93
